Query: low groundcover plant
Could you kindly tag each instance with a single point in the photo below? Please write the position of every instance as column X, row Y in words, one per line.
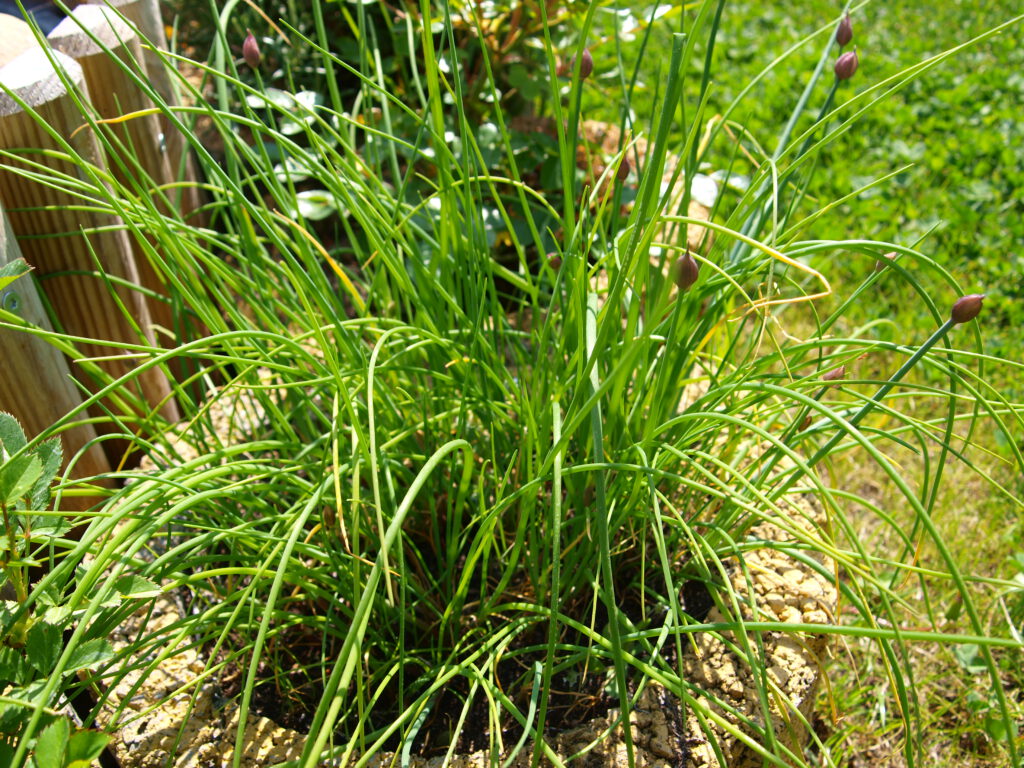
column 499, row 404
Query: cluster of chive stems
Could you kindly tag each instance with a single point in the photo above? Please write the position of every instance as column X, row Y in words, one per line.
column 688, row 269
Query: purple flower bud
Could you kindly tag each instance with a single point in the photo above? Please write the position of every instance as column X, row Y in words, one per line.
column 846, row 65
column 844, row 33
column 622, row 173
column 251, row 51
column 687, row 271
column 967, row 308
column 586, row 64
column 835, row 374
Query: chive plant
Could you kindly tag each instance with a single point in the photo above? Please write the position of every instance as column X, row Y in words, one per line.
column 461, row 477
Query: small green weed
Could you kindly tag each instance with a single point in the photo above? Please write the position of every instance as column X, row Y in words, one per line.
column 33, row 648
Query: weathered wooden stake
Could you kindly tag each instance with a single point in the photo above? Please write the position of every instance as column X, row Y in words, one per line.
column 145, row 16
column 84, row 36
column 15, row 38
column 62, row 235
column 35, row 381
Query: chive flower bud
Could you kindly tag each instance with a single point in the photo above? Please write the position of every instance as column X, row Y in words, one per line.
column 622, row 172
column 835, row 374
column 844, row 32
column 967, row 308
column 251, row 51
column 687, row 271
column 846, row 65
column 586, row 64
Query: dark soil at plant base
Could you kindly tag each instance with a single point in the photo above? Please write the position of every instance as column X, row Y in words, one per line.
column 288, row 695
column 202, row 732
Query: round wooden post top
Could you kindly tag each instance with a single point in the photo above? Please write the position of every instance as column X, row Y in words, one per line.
column 17, row 37
column 89, row 30
column 34, row 79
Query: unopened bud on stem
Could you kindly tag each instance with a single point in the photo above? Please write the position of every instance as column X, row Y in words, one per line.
column 846, row 65
column 835, row 374
column 622, row 173
column 586, row 64
column 967, row 308
column 844, row 32
column 687, row 271
column 251, row 51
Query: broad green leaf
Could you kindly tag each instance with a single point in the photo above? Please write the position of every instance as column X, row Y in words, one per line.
column 970, row 658
column 91, row 653
column 85, row 747
column 56, row 614
column 7, row 607
column 13, row 667
column 291, row 170
column 315, row 204
column 12, row 270
column 995, row 727
column 18, row 476
column 17, row 705
column 52, row 744
column 526, row 81
column 274, row 96
column 44, row 646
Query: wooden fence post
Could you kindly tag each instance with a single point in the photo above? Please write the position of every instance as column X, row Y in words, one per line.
column 35, row 381
column 145, row 16
column 17, row 38
column 83, row 36
column 62, row 235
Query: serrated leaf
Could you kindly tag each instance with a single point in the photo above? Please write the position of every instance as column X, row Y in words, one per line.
column 49, row 526
column 91, row 653
column 136, row 587
column 52, row 744
column 12, row 436
column 85, row 747
column 51, row 456
column 16, row 708
column 13, row 667
column 7, row 607
column 43, row 647
column 57, row 615
column 18, row 476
